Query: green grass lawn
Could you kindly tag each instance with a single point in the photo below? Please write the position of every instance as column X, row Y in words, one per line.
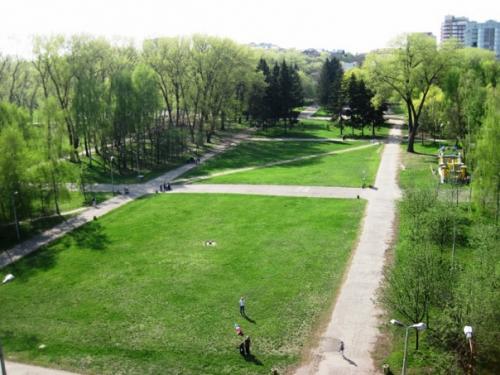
column 345, row 169
column 312, row 128
column 137, row 292
column 251, row 154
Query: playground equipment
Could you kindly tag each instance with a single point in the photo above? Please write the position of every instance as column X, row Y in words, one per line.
column 452, row 167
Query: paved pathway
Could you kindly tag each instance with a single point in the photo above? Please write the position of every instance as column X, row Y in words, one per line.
column 280, row 190
column 14, row 368
column 308, row 112
column 354, row 318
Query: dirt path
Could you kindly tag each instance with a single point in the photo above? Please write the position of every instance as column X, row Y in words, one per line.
column 354, row 319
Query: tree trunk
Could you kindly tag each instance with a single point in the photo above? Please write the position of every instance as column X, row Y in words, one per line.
column 411, row 141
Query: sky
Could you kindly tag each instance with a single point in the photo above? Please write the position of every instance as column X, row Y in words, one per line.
column 352, row 25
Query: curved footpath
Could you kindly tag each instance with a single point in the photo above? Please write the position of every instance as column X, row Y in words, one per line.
column 354, row 319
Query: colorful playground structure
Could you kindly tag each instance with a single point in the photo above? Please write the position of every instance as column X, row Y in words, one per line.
column 451, row 167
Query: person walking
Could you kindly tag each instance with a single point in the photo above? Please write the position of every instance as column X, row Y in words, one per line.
column 247, row 345
column 341, row 348
column 242, row 306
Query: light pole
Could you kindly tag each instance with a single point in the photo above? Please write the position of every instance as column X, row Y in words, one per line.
column 419, row 326
column 112, row 181
column 468, row 336
column 2, row 363
column 15, row 214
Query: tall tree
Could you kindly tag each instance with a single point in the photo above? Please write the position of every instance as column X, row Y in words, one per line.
column 409, row 69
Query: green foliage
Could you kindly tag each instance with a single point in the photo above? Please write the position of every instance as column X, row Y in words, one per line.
column 409, row 70
column 330, row 84
column 445, row 273
column 486, row 177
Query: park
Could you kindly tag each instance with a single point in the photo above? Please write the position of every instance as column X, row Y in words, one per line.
column 336, row 216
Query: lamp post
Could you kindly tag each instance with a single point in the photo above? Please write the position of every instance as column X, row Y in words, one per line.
column 468, row 336
column 15, row 214
column 419, row 326
column 112, row 181
column 2, row 363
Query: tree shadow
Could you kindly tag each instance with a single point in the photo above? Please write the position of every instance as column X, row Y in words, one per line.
column 18, row 342
column 89, row 236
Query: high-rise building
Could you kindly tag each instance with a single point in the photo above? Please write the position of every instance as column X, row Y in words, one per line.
column 454, row 27
column 483, row 35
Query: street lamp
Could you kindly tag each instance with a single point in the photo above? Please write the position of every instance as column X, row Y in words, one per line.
column 2, row 363
column 112, row 181
column 419, row 326
column 15, row 214
column 468, row 335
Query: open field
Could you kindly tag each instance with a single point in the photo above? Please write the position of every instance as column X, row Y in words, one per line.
column 345, row 169
column 138, row 291
column 251, row 154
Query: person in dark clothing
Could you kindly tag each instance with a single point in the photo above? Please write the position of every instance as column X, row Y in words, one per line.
column 247, row 345
column 242, row 349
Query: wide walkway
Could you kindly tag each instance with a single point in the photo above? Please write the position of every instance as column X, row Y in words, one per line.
column 354, row 319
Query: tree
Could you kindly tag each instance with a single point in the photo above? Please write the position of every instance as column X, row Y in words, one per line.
column 413, row 284
column 409, row 69
column 486, row 176
column 329, row 85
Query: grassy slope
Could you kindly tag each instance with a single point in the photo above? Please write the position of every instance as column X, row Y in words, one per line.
column 137, row 292
column 334, row 170
column 250, row 154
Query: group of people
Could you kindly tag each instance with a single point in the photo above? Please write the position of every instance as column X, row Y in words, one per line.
column 244, row 346
column 165, row 187
column 195, row 160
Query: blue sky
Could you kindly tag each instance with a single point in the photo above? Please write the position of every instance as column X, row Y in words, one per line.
column 357, row 26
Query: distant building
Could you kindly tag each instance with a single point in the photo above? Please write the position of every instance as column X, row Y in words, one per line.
column 472, row 34
column 454, row 27
column 311, row 52
column 483, row 35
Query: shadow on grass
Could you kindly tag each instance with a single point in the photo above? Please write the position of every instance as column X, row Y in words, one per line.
column 89, row 236
column 19, row 342
column 253, row 359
